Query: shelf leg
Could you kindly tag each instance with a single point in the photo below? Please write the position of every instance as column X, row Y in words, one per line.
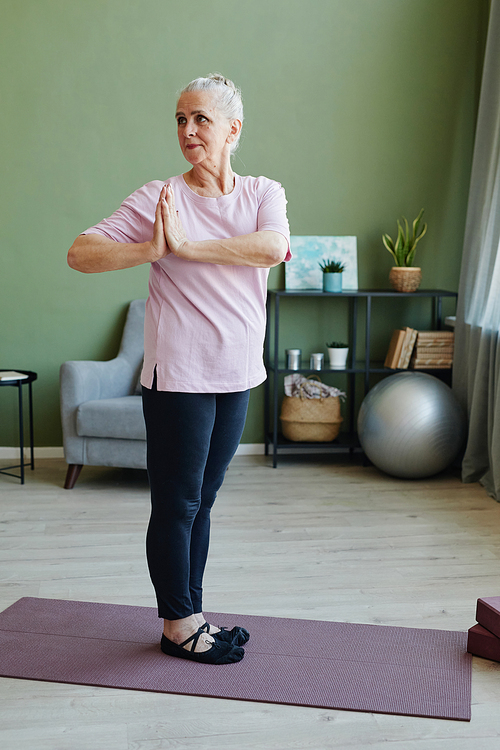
column 275, row 381
column 439, row 312
column 367, row 343
column 352, row 376
column 21, row 430
column 32, row 439
column 267, row 404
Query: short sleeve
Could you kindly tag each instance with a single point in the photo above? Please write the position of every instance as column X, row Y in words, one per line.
column 133, row 221
column 272, row 213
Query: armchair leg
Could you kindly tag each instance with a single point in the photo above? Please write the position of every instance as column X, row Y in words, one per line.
column 72, row 475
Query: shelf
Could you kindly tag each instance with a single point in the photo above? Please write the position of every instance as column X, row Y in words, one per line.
column 307, row 370
column 361, row 293
column 359, row 370
column 344, row 443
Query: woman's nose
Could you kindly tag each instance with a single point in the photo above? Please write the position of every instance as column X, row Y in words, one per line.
column 190, row 129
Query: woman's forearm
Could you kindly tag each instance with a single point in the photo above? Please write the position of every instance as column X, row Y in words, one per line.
column 261, row 250
column 93, row 253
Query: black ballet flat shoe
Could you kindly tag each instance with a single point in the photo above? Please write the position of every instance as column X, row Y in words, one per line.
column 237, row 636
column 220, row 653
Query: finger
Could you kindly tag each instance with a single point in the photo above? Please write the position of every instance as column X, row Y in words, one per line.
column 165, row 213
column 158, row 211
column 166, row 197
column 170, row 197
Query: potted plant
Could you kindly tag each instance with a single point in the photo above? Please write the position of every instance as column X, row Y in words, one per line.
column 332, row 275
column 338, row 351
column 404, row 276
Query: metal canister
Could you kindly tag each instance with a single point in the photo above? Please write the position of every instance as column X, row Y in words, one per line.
column 293, row 359
column 316, row 362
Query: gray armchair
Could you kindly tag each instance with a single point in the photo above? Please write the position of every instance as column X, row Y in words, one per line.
column 101, row 406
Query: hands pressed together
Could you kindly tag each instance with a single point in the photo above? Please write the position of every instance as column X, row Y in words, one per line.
column 93, row 253
column 168, row 233
column 262, row 249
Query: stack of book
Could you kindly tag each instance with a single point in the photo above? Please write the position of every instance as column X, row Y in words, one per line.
column 433, row 350
column 400, row 348
column 484, row 638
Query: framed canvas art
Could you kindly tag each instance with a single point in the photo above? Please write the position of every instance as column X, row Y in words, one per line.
column 303, row 270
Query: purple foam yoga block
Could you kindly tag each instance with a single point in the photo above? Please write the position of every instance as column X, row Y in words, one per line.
column 481, row 642
column 488, row 614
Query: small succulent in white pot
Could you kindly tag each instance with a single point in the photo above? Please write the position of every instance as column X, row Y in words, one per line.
column 337, row 352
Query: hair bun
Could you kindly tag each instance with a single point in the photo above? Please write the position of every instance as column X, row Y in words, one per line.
column 218, row 78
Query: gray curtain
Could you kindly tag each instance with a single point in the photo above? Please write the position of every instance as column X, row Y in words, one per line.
column 476, row 366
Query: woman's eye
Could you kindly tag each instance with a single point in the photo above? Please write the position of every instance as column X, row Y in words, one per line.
column 202, row 118
column 181, row 121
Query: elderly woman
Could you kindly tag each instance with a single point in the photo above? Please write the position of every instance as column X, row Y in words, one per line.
column 210, row 237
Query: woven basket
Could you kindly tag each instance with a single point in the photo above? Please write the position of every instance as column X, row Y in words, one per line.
column 310, row 420
column 405, row 279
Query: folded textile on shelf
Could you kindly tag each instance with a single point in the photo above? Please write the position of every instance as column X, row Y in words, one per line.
column 299, row 385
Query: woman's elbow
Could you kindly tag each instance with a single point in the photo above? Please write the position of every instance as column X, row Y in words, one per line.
column 76, row 257
column 73, row 259
column 278, row 251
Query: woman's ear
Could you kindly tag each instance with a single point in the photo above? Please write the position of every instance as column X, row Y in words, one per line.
column 234, row 130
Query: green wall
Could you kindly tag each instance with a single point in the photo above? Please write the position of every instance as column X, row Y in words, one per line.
column 363, row 109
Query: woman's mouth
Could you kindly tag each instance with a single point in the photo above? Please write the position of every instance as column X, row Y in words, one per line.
column 192, row 145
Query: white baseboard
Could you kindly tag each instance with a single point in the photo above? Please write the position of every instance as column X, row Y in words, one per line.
column 250, row 449
column 41, row 452
column 244, row 449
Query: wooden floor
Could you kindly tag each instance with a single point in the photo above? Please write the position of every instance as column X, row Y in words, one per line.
column 317, row 538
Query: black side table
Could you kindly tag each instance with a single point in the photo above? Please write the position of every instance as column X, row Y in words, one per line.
column 19, row 382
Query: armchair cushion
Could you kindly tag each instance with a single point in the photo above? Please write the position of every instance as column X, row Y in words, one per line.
column 112, row 418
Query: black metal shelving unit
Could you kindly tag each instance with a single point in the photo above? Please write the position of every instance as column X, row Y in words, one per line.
column 347, row 441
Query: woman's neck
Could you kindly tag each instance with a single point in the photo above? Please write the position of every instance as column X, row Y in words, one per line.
column 210, row 183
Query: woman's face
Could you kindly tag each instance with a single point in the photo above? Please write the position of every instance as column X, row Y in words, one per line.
column 204, row 133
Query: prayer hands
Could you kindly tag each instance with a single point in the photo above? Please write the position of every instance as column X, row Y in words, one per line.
column 159, row 247
column 175, row 235
column 168, row 233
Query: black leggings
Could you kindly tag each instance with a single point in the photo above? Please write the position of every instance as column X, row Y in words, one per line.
column 191, row 438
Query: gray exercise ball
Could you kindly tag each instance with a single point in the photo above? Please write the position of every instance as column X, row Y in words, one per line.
column 410, row 425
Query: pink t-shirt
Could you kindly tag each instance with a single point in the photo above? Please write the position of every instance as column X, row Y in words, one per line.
column 205, row 323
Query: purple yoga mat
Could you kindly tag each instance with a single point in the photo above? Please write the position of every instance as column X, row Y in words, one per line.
column 334, row 665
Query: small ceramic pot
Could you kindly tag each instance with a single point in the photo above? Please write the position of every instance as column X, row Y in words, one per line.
column 332, row 282
column 338, row 358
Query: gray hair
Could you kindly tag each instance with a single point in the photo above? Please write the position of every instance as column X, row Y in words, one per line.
column 228, row 97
